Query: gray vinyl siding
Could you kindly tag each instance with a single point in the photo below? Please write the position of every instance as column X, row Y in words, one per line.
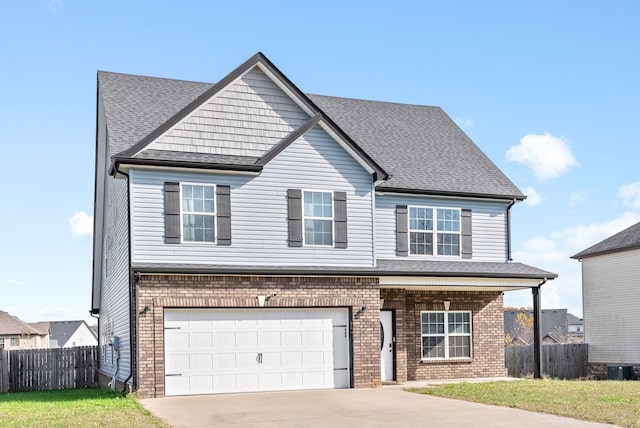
column 115, row 278
column 611, row 292
column 488, row 219
column 259, row 210
column 245, row 119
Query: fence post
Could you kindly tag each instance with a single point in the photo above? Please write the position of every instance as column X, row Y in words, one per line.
column 4, row 371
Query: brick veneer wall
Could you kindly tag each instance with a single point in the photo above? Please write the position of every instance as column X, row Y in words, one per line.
column 487, row 333
column 210, row 291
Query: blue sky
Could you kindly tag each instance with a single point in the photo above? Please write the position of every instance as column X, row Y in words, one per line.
column 549, row 90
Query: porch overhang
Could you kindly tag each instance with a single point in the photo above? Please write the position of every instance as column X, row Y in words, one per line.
column 457, row 283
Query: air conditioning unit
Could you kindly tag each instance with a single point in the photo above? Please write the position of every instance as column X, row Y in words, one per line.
column 620, row 372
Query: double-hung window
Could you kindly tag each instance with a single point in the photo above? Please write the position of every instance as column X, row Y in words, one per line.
column 198, row 212
column 434, row 228
column 318, row 217
column 1, row 342
column 15, row 341
column 446, row 335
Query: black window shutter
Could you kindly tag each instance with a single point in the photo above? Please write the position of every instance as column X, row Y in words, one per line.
column 294, row 199
column 466, row 233
column 340, row 219
column 402, row 233
column 223, row 213
column 171, row 213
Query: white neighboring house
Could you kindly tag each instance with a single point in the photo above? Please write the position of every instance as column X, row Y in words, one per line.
column 68, row 334
column 611, row 295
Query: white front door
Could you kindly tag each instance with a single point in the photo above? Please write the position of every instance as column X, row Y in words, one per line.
column 241, row 350
column 386, row 345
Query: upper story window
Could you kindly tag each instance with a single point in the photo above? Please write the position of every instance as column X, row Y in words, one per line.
column 446, row 334
column 198, row 213
column 318, row 218
column 434, row 228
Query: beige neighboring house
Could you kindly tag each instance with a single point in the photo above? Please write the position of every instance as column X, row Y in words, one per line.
column 17, row 334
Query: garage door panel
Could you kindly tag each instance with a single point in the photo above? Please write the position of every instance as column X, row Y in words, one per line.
column 247, row 339
column 217, row 350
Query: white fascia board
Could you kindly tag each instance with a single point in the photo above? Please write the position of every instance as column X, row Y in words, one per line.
column 455, row 283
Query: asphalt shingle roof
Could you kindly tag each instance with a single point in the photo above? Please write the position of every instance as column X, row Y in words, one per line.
column 61, row 331
column 628, row 239
column 383, row 268
column 10, row 325
column 421, row 148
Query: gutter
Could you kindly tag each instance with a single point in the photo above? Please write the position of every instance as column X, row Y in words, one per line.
column 117, row 161
column 132, row 311
column 240, row 270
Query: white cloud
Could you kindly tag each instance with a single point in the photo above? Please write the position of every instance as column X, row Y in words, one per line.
column 81, row 224
column 553, row 253
column 464, row 123
column 630, row 195
column 12, row 281
column 533, row 197
column 55, row 5
column 547, row 156
column 577, row 198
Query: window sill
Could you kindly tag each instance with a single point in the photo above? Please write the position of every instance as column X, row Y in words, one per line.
column 447, row 361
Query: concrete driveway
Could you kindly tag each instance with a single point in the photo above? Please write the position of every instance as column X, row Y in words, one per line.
column 384, row 407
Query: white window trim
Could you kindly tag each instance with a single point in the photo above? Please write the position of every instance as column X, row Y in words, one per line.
column 434, row 232
column 214, row 215
column 446, row 337
column 333, row 223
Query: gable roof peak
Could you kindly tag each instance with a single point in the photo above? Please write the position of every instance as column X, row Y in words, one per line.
column 628, row 239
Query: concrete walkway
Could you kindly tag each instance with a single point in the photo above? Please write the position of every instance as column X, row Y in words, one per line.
column 384, row 407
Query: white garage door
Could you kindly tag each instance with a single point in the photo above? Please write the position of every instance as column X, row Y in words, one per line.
column 218, row 350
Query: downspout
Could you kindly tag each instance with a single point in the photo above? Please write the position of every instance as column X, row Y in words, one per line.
column 132, row 300
column 537, row 366
column 509, row 259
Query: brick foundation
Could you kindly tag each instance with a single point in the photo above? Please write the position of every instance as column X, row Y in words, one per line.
column 208, row 291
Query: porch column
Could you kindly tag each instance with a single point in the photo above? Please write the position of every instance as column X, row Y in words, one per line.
column 537, row 367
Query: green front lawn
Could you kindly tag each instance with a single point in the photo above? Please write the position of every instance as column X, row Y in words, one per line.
column 97, row 407
column 609, row 402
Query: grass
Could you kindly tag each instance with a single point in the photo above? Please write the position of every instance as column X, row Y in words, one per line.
column 609, row 402
column 97, row 407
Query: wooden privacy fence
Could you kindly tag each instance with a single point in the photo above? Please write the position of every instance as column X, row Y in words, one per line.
column 46, row 369
column 561, row 361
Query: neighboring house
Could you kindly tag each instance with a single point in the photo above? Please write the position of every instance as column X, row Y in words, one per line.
column 576, row 327
column 610, row 299
column 251, row 237
column 17, row 334
column 554, row 327
column 69, row 334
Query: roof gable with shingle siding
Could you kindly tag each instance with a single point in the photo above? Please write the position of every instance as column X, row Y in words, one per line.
column 247, row 118
column 628, row 239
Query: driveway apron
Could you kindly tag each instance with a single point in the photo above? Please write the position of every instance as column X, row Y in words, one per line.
column 344, row 408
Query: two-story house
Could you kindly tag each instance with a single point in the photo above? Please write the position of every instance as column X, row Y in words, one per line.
column 251, row 237
column 610, row 299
